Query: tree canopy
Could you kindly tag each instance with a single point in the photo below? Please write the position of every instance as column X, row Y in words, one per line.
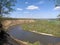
column 58, row 16
column 6, row 6
column 57, row 2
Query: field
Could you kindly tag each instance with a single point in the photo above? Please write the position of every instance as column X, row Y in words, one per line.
column 44, row 26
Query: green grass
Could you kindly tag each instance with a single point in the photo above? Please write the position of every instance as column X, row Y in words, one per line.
column 44, row 26
column 35, row 43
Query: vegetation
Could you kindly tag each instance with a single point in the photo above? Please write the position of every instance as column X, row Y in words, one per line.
column 35, row 43
column 5, row 8
column 44, row 26
column 58, row 17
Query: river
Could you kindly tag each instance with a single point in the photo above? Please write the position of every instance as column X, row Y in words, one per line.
column 19, row 33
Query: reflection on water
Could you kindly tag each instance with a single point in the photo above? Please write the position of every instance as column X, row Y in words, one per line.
column 20, row 34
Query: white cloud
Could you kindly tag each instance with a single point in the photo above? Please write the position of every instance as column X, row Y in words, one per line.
column 19, row 9
column 32, row 7
column 57, row 8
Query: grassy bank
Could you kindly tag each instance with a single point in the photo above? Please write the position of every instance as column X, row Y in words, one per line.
column 35, row 43
column 44, row 26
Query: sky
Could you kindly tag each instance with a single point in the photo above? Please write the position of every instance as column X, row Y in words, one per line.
column 35, row 9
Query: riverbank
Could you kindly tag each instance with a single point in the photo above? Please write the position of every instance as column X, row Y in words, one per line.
column 11, row 22
column 19, row 42
column 46, row 27
column 31, row 37
column 42, row 33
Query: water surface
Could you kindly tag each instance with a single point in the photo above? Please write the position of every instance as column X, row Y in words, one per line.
column 19, row 33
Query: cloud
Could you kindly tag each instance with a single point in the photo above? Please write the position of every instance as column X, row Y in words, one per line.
column 32, row 7
column 57, row 8
column 19, row 9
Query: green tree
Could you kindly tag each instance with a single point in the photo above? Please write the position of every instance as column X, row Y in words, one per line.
column 57, row 2
column 6, row 6
column 58, row 17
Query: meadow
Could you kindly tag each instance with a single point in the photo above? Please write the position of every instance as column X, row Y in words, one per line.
column 44, row 26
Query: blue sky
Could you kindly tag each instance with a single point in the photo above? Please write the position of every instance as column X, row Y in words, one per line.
column 35, row 9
